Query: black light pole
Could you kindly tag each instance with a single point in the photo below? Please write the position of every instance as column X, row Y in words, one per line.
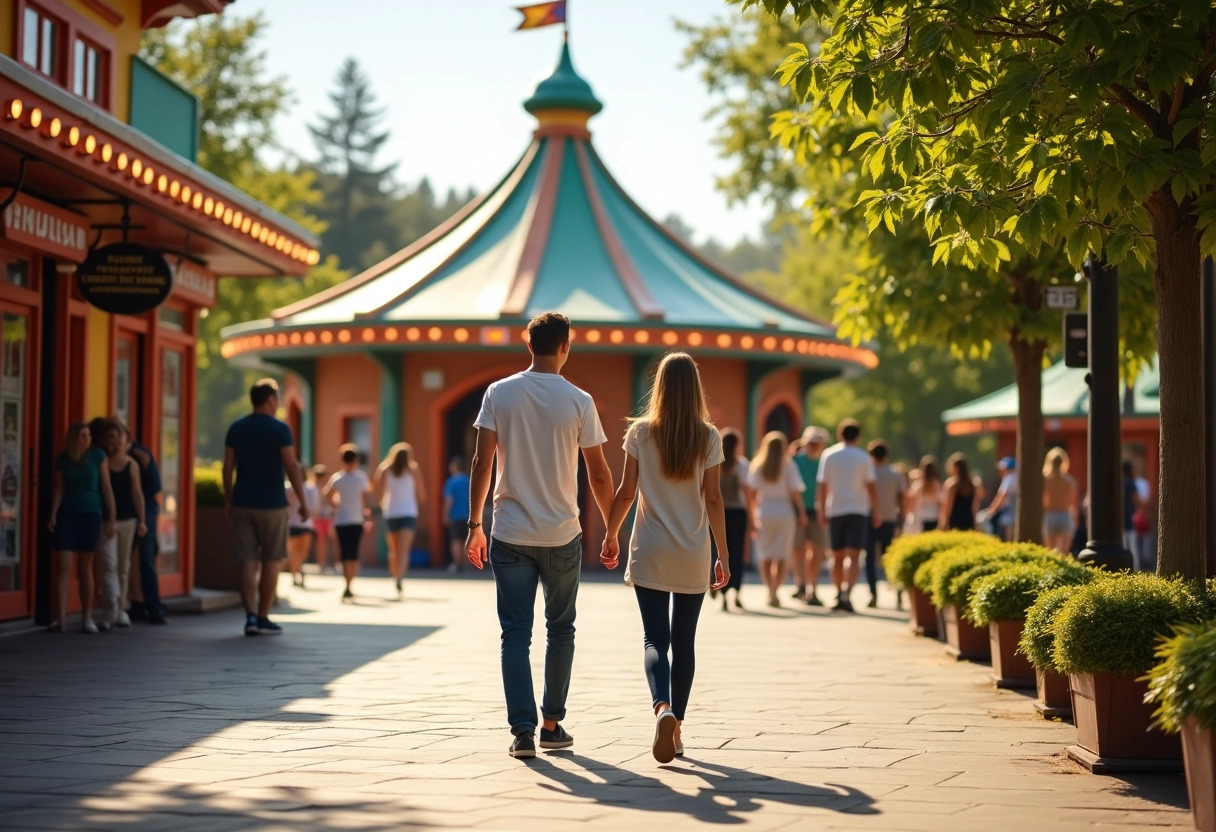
column 1209, row 405
column 1105, row 547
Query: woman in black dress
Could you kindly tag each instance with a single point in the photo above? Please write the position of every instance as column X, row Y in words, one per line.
column 963, row 494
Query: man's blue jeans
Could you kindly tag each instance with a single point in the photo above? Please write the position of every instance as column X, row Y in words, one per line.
column 517, row 570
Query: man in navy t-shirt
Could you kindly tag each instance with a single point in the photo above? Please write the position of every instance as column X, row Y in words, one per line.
column 260, row 451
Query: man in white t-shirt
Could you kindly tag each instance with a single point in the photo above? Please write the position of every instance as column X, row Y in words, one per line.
column 846, row 495
column 536, row 422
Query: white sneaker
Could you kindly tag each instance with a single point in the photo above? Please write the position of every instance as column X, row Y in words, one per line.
column 124, row 620
column 664, row 746
column 89, row 626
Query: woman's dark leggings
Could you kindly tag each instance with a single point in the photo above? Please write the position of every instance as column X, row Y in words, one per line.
column 669, row 622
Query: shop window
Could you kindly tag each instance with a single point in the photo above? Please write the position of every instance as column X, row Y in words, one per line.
column 170, row 318
column 357, row 430
column 89, row 66
column 16, row 272
column 170, row 461
column 14, row 336
column 41, row 38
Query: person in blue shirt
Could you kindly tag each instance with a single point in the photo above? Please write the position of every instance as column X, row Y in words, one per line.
column 456, row 510
column 260, row 452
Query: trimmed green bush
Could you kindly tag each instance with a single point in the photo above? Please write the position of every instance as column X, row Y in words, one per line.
column 209, row 487
column 1006, row 594
column 1183, row 684
column 908, row 553
column 1038, row 642
column 1112, row 625
column 949, row 575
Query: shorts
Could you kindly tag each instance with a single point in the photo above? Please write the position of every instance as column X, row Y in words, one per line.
column 401, row 524
column 848, row 531
column 76, row 531
column 259, row 534
column 300, row 531
column 323, row 525
column 812, row 532
column 1057, row 522
column 458, row 529
column 349, row 538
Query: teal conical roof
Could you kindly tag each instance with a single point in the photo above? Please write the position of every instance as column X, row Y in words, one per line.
column 564, row 89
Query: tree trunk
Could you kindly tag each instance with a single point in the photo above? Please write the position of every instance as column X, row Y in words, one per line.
column 1028, row 372
column 1181, row 544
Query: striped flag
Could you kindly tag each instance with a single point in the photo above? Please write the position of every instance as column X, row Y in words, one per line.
column 542, row 14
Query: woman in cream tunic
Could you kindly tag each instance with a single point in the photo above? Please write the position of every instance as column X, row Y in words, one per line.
column 673, row 456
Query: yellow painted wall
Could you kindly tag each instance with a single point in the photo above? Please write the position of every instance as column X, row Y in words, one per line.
column 98, row 368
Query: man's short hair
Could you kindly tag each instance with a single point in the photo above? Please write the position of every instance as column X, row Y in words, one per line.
column 878, row 450
column 850, row 431
column 262, row 390
column 99, row 429
column 350, row 452
column 547, row 332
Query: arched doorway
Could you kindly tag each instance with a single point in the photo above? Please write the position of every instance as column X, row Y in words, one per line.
column 782, row 418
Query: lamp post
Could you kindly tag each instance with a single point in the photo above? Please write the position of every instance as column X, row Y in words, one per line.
column 1209, row 404
column 1105, row 546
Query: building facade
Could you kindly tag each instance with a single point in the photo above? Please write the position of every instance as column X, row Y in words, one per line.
column 96, row 147
column 406, row 350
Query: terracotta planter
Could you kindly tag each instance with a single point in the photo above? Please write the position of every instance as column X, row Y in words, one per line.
column 215, row 566
column 922, row 615
column 1114, row 726
column 1199, row 752
column 1010, row 669
column 963, row 639
column 1055, row 700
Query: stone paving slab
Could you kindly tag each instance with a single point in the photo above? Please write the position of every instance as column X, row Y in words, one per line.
column 383, row 715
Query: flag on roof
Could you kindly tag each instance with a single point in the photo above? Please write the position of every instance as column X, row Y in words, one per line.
column 542, row 14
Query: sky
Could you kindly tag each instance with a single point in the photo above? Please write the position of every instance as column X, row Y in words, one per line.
column 451, row 75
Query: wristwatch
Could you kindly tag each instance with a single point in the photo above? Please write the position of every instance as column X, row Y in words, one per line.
column 473, row 525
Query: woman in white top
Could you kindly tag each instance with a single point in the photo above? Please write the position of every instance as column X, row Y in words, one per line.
column 301, row 533
column 924, row 500
column 399, row 492
column 673, row 455
column 779, row 510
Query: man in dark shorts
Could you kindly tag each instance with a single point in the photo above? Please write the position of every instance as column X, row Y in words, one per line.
column 259, row 450
column 846, row 497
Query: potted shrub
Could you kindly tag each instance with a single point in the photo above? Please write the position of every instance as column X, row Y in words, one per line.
column 949, row 576
column 1105, row 636
column 998, row 602
column 1183, row 686
column 906, row 555
column 214, row 565
column 1038, row 644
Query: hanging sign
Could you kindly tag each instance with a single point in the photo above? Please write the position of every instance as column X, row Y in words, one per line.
column 47, row 228
column 125, row 279
column 1061, row 297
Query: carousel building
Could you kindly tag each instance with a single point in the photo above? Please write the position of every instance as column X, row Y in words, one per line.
column 405, row 350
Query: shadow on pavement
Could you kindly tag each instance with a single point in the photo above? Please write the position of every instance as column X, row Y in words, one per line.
column 86, row 715
column 727, row 797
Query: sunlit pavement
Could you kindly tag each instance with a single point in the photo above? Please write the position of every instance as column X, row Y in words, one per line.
column 387, row 715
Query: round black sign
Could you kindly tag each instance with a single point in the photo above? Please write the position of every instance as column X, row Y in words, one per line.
column 125, row 278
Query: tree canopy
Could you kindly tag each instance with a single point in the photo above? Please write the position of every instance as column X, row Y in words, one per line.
column 1028, row 126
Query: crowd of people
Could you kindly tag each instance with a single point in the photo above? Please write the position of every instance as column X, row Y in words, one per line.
column 106, row 493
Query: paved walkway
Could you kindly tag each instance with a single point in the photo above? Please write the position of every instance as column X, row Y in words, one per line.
column 385, row 715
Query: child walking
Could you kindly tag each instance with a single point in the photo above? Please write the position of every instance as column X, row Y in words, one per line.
column 673, row 457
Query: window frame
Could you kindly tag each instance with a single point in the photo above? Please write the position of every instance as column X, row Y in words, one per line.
column 72, row 27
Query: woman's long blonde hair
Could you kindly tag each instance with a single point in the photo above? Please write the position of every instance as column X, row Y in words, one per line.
column 399, row 459
column 1056, row 463
column 678, row 417
column 771, row 458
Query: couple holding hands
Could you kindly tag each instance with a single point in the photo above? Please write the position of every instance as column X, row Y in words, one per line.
column 536, row 423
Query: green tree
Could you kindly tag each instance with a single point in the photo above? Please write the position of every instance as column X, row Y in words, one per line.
column 900, row 284
column 357, row 190
column 219, row 60
column 1021, row 122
